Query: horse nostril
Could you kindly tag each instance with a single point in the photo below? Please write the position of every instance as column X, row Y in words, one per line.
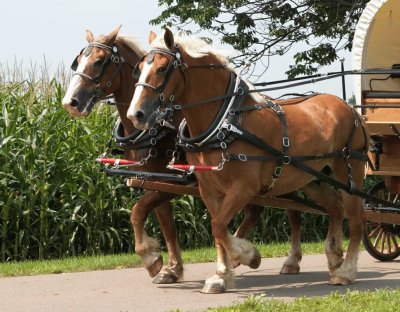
column 74, row 103
column 139, row 114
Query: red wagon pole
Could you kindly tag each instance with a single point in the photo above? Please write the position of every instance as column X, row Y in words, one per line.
column 118, row 162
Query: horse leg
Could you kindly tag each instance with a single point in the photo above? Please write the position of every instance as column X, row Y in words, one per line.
column 331, row 200
column 291, row 265
column 174, row 270
column 228, row 247
column 146, row 247
column 224, row 276
column 251, row 218
column 355, row 213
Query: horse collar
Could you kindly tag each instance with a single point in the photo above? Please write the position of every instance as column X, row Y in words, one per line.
column 216, row 136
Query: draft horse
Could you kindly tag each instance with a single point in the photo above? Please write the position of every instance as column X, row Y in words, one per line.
column 105, row 68
column 263, row 147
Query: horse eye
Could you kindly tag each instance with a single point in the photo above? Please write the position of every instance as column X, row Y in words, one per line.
column 161, row 70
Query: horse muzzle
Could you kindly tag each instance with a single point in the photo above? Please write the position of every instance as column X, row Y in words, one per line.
column 77, row 108
column 146, row 115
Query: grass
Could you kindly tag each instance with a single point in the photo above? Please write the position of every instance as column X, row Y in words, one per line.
column 354, row 301
column 107, row 262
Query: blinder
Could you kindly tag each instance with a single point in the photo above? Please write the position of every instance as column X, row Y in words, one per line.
column 136, row 71
column 74, row 65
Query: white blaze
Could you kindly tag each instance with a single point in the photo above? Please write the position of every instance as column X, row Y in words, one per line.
column 139, row 89
column 75, row 82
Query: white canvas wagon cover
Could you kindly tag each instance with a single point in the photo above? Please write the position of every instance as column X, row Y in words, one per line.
column 376, row 44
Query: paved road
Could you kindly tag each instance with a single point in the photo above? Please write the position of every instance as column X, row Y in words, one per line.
column 132, row 290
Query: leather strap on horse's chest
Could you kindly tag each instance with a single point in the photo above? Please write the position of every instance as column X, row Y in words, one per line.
column 283, row 157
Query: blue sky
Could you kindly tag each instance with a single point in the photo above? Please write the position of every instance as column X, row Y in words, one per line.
column 55, row 29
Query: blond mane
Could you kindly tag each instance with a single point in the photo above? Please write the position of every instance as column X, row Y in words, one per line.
column 194, row 46
column 132, row 44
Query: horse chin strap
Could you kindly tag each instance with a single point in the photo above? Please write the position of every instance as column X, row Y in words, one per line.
column 112, row 57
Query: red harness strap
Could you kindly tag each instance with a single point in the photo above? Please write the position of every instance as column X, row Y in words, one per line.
column 193, row 168
column 117, row 161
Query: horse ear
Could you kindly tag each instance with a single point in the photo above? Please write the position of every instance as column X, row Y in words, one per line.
column 89, row 36
column 169, row 39
column 113, row 35
column 152, row 36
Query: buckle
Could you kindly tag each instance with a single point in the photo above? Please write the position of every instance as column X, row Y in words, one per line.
column 177, row 107
column 169, row 153
column 285, row 142
column 346, row 152
column 278, row 171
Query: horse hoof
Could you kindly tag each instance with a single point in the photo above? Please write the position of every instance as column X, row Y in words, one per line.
column 163, row 278
column 156, row 267
column 217, row 288
column 339, row 280
column 255, row 263
column 290, row 269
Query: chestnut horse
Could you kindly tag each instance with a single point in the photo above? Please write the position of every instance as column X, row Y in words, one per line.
column 105, row 68
column 262, row 147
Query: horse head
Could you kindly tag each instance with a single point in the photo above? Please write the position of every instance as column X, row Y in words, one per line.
column 98, row 72
column 160, row 80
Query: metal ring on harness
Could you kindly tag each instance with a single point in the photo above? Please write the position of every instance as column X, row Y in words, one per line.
column 286, row 159
column 242, row 157
column 153, row 131
column 220, row 135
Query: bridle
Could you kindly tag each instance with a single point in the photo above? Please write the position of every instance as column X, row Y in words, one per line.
column 112, row 57
column 176, row 62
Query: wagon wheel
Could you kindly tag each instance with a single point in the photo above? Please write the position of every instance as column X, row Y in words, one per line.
column 382, row 240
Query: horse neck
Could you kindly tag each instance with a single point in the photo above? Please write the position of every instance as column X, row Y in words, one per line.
column 203, row 84
column 123, row 95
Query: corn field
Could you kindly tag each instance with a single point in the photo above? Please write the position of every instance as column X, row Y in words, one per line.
column 55, row 201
